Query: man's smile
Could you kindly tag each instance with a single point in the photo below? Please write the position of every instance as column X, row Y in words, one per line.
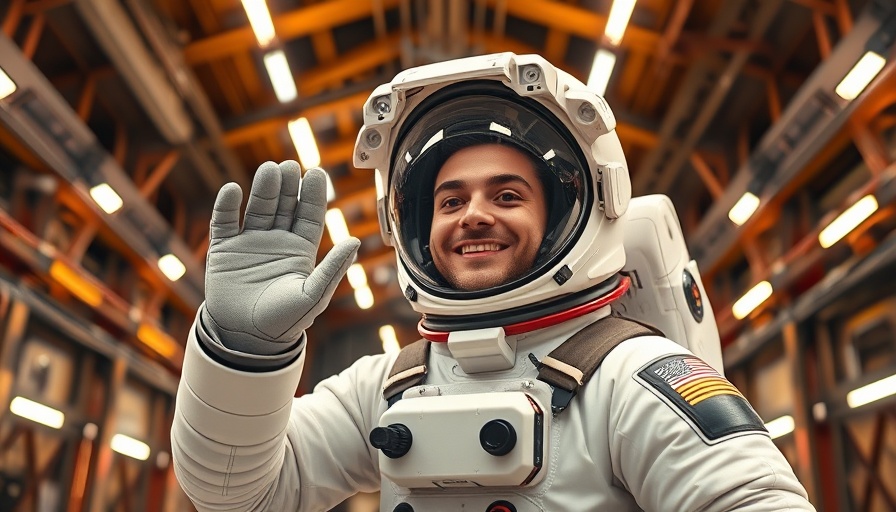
column 479, row 249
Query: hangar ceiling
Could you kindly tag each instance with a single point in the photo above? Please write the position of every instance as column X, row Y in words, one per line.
column 166, row 100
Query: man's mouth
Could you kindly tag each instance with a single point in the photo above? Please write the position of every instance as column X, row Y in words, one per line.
column 479, row 248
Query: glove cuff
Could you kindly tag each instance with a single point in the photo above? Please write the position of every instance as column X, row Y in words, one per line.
column 241, row 351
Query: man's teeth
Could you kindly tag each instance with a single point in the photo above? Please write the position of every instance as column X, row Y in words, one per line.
column 479, row 248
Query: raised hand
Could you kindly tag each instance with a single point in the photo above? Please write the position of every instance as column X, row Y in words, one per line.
column 262, row 288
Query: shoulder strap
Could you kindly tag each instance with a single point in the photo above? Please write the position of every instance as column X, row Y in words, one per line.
column 569, row 366
column 408, row 370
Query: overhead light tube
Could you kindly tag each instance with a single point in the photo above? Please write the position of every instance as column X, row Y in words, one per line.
column 620, row 14
column 847, row 221
column 872, row 392
column 601, row 69
column 106, row 197
column 389, row 339
column 744, row 208
column 37, row 412
column 260, row 21
column 129, row 446
column 336, row 225
column 7, row 86
column 172, row 267
column 780, row 426
column 752, row 299
column 364, row 297
column 281, row 76
column 303, row 139
column 858, row 78
column 357, row 278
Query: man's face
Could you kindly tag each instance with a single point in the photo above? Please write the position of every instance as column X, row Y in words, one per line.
column 489, row 217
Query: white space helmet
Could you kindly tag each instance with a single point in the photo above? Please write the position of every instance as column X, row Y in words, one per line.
column 413, row 124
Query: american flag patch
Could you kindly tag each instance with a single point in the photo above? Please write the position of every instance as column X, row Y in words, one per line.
column 696, row 391
column 695, row 380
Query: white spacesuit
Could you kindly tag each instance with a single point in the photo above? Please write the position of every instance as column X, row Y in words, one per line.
column 655, row 428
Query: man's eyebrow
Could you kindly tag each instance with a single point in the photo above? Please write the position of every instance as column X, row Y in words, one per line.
column 498, row 179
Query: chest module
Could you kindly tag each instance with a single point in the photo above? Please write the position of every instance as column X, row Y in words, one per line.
column 470, row 440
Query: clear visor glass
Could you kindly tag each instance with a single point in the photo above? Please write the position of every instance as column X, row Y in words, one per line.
column 445, row 124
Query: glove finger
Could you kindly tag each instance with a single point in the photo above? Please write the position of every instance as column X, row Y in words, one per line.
column 263, row 198
column 225, row 221
column 290, row 173
column 309, row 220
column 322, row 282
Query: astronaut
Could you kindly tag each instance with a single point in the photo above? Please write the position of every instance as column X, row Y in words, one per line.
column 505, row 196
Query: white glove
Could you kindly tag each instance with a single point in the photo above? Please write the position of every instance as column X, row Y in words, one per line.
column 262, row 289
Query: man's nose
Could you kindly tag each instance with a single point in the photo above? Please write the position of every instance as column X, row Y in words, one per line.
column 478, row 213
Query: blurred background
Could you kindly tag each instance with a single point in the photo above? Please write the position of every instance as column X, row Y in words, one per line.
column 770, row 123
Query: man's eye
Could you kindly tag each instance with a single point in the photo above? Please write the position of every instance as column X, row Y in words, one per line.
column 451, row 202
column 508, row 196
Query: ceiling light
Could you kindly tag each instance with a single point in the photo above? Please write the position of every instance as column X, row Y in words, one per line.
column 364, row 297
column 620, row 13
column 331, row 192
column 36, row 412
column 336, row 225
column 847, row 221
column 260, row 20
column 780, row 426
column 356, row 276
column 303, row 140
column 281, row 76
column 7, row 86
column 751, row 300
column 860, row 76
column 389, row 339
column 172, row 267
column 744, row 208
column 601, row 69
column 872, row 392
column 129, row 446
column 106, row 197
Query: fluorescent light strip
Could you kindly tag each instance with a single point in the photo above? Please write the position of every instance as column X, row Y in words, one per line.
column 752, row 299
column 601, row 69
column 872, row 392
column 260, row 20
column 336, row 225
column 364, row 297
column 129, row 446
column 106, row 197
column 7, row 86
column 389, row 339
column 744, row 208
column 281, row 77
column 356, row 276
column 172, row 267
column 620, row 14
column 847, row 221
column 865, row 70
column 303, row 139
column 36, row 412
column 780, row 426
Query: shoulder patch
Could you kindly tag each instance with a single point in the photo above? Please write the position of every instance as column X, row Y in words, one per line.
column 713, row 407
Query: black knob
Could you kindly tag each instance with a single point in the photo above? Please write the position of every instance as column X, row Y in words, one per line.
column 497, row 437
column 394, row 440
column 501, row 506
column 403, row 507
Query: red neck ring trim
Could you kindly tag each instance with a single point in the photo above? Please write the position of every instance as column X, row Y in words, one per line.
column 544, row 321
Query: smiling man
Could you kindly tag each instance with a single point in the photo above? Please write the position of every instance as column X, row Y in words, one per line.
column 505, row 191
column 489, row 216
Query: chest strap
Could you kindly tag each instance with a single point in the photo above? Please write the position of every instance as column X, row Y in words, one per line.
column 408, row 370
column 567, row 368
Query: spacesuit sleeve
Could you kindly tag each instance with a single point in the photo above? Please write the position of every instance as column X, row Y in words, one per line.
column 241, row 442
column 683, row 438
